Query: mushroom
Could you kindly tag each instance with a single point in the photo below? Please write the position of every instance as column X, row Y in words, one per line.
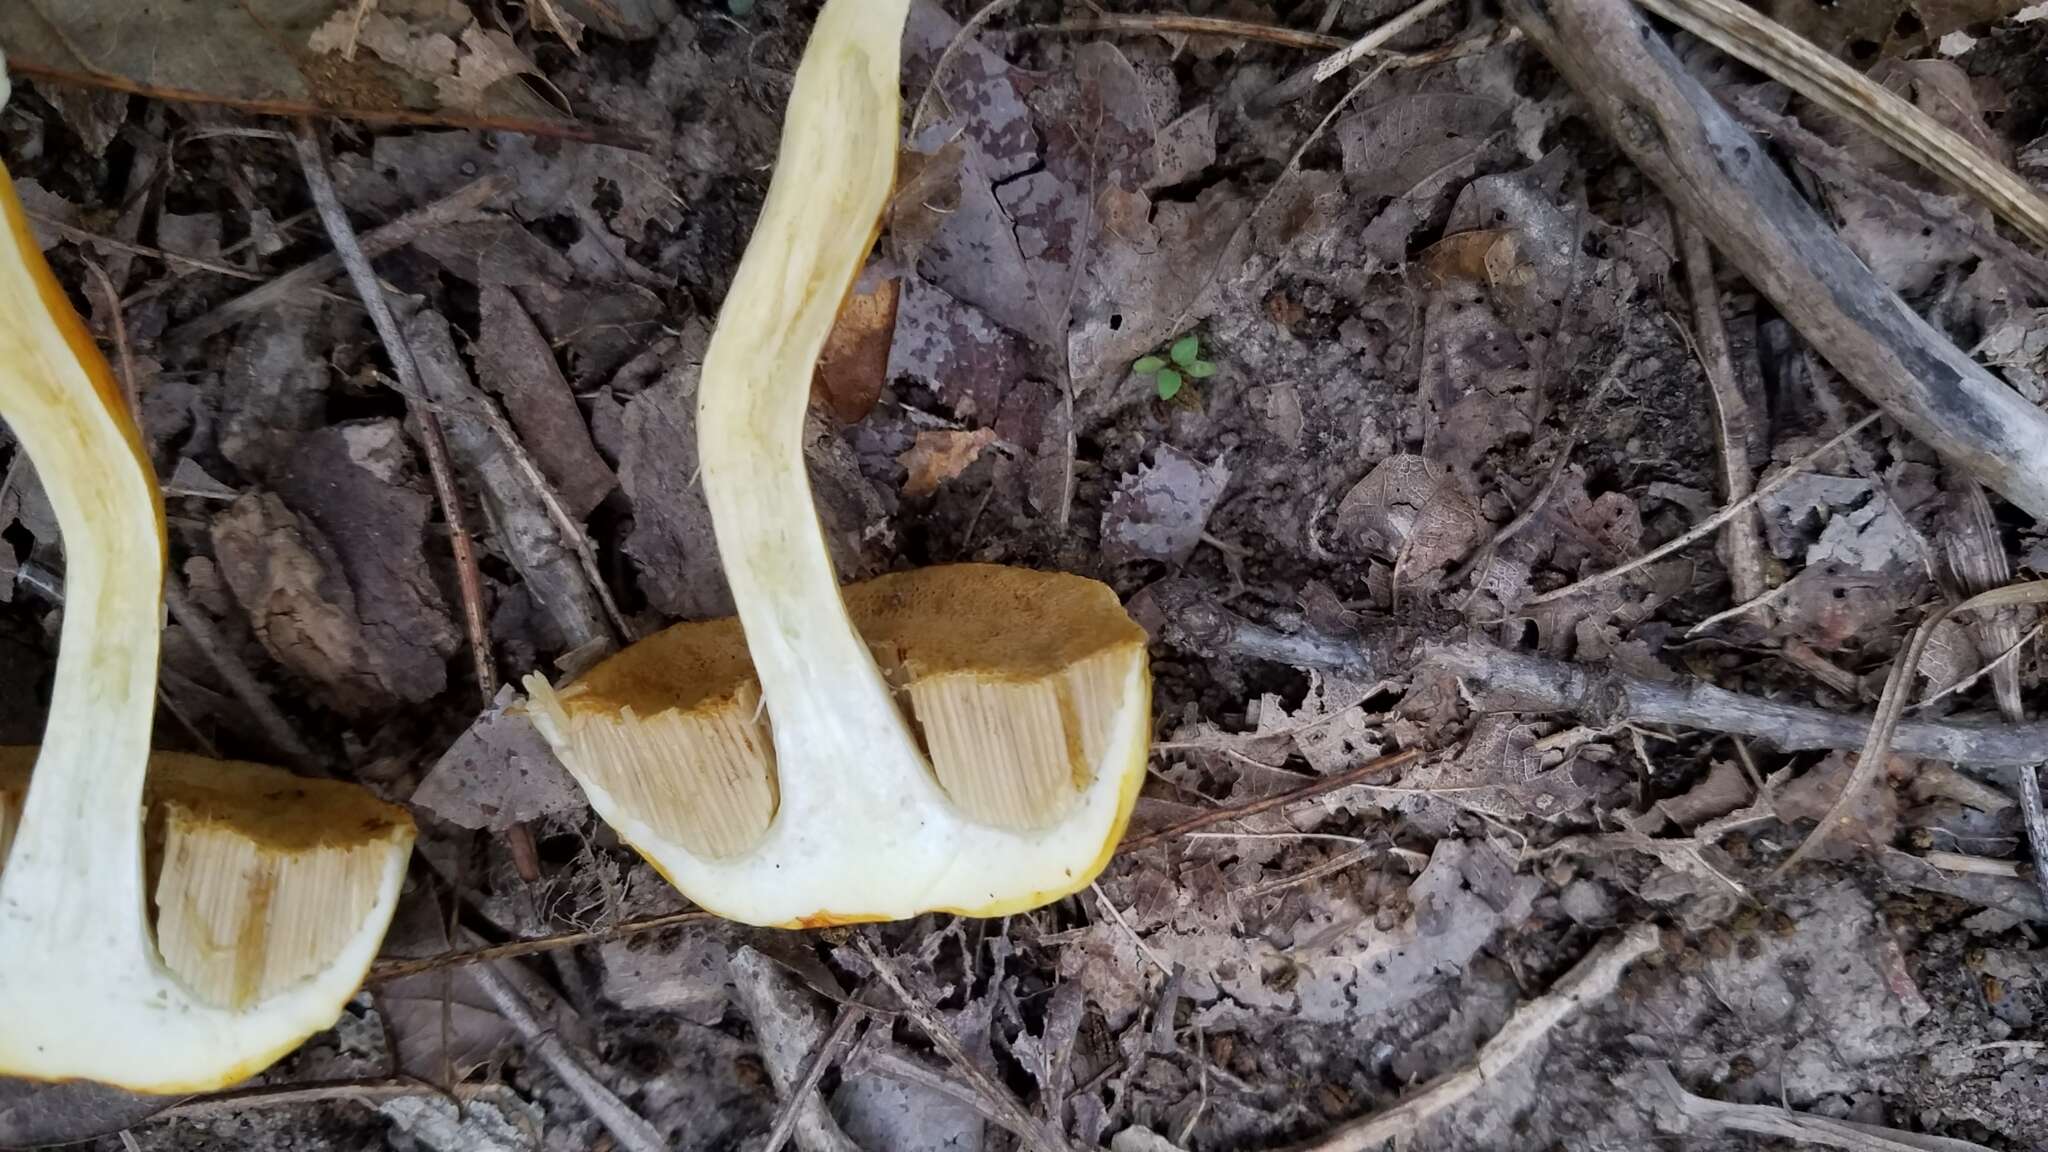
column 168, row 923
column 964, row 738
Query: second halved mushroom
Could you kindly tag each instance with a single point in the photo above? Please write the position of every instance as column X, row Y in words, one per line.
column 966, row 738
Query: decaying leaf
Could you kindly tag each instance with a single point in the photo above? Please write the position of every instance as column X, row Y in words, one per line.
column 277, row 56
column 498, row 773
column 1412, row 512
column 855, row 362
column 1723, row 790
column 671, row 543
column 1870, row 823
column 1160, row 511
column 940, row 454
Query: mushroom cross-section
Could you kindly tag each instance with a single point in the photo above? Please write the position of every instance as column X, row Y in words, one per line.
column 966, row 738
column 171, row 925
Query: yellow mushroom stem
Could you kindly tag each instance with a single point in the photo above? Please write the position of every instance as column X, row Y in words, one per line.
column 272, row 894
column 967, row 738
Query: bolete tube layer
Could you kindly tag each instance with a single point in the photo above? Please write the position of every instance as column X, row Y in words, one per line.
column 967, row 738
column 271, row 894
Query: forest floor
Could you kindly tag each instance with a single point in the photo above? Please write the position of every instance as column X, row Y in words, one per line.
column 1428, row 349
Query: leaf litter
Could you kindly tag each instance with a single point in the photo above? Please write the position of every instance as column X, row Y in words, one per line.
column 1404, row 431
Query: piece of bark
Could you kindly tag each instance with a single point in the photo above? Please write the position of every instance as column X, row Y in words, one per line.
column 1725, row 181
column 515, row 361
column 529, row 536
column 359, row 485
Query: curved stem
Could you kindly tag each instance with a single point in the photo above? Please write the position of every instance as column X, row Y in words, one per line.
column 840, row 136
column 78, row 855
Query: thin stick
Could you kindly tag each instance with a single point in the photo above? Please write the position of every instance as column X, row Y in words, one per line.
column 1591, row 979
column 1743, row 541
column 1178, row 25
column 1974, row 865
column 1374, row 40
column 1035, row 1135
column 318, row 1092
column 320, row 186
column 1802, row 1127
column 1891, row 705
column 399, row 969
column 626, row 1126
column 1308, row 791
column 458, row 205
column 82, row 236
column 1964, row 684
column 1711, row 524
column 1790, row 59
column 802, row 1092
column 1749, row 605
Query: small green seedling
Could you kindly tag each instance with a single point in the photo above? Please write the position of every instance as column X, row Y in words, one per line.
column 1181, row 362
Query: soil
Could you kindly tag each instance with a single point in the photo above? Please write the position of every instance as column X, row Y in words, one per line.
column 1451, row 305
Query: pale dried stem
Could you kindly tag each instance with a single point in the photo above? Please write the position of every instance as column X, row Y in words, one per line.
column 1711, row 524
column 1170, row 24
column 626, row 1126
column 1742, row 540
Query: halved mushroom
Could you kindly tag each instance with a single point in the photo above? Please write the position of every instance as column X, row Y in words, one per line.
column 270, row 894
column 766, row 764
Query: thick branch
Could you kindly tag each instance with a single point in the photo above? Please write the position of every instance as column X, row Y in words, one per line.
column 1718, row 174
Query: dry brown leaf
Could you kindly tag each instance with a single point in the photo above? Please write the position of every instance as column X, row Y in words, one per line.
column 252, row 54
column 938, row 456
column 1462, row 255
column 855, row 362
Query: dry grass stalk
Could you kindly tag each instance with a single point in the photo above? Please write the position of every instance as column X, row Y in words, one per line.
column 1785, row 56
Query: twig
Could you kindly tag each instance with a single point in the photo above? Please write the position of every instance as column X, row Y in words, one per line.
column 1711, row 524
column 1172, row 24
column 399, row 969
column 626, row 1127
column 80, row 235
column 1792, row 60
column 320, row 186
column 1750, row 605
column 1891, row 705
column 1308, row 791
column 236, row 675
column 1742, row 543
column 1374, row 40
column 1591, row 979
column 2036, row 821
column 1805, row 1127
column 796, row 1045
column 1600, row 697
column 1974, row 865
column 1728, row 184
column 2001, row 660
column 319, row 1092
column 530, row 534
column 452, row 208
column 805, row 1091
column 1018, row 1119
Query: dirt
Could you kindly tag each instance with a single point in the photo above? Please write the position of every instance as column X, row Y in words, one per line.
column 1457, row 304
